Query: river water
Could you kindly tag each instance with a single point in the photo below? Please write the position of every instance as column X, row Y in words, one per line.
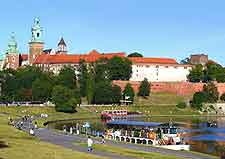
column 198, row 134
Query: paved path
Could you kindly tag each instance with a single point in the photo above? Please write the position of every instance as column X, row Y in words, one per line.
column 69, row 141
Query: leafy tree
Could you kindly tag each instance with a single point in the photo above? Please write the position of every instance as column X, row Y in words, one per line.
column 103, row 93
column 214, row 72
column 222, row 97
column 41, row 90
column 144, row 88
column 129, row 92
column 181, row 105
column 196, row 74
column 120, row 68
column 185, row 61
column 67, row 77
column 64, row 99
column 135, row 54
column 90, row 88
column 83, row 73
column 212, row 94
column 198, row 99
column 100, row 70
column 116, row 94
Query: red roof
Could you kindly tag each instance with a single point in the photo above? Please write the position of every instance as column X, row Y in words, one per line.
column 72, row 58
column 153, row 60
column 24, row 57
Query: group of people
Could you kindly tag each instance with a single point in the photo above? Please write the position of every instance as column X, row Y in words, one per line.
column 24, row 123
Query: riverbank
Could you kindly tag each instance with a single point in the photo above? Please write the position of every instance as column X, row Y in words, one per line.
column 34, row 144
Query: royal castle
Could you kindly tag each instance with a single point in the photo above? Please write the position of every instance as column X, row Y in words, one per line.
column 154, row 69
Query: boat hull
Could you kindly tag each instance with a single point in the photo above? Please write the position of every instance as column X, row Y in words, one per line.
column 175, row 147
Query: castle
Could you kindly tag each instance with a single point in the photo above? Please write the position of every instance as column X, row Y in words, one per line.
column 154, row 69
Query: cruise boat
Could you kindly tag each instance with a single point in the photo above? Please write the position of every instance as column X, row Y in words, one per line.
column 166, row 135
column 118, row 114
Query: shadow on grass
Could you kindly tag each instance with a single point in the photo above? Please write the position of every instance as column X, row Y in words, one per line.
column 3, row 145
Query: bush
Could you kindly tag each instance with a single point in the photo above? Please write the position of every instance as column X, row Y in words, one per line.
column 181, row 105
column 65, row 99
column 198, row 99
column 222, row 97
column 144, row 89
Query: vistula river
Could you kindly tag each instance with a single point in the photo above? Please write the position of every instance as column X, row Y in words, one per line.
column 197, row 132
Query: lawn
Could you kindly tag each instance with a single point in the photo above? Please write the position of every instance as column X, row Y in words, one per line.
column 129, row 152
column 24, row 146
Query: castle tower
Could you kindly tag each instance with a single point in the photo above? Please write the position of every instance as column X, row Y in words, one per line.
column 36, row 45
column 12, row 54
column 62, row 49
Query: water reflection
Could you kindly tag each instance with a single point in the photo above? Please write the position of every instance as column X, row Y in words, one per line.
column 198, row 134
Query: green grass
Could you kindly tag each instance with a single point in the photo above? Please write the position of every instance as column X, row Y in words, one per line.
column 24, row 146
column 129, row 152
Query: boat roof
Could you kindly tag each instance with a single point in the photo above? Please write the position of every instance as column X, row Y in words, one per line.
column 134, row 123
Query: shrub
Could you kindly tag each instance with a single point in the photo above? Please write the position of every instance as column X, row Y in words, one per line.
column 181, row 105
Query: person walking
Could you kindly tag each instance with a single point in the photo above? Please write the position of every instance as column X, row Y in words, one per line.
column 90, row 143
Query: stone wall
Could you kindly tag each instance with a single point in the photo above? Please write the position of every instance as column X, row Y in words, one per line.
column 180, row 88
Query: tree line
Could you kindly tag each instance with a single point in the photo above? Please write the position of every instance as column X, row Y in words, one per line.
column 66, row 89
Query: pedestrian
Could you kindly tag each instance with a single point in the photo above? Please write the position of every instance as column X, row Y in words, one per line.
column 103, row 140
column 35, row 125
column 90, row 143
column 32, row 132
column 64, row 128
column 71, row 130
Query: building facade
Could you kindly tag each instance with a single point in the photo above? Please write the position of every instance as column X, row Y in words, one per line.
column 154, row 69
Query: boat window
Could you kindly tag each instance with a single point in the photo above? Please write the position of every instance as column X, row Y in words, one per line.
column 173, row 130
column 165, row 131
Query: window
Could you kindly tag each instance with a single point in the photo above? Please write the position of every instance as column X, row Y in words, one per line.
column 166, row 66
column 157, row 66
column 13, row 59
column 185, row 67
column 147, row 66
column 38, row 34
column 175, row 66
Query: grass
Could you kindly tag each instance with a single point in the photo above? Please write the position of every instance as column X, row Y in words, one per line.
column 14, row 112
column 22, row 145
column 129, row 152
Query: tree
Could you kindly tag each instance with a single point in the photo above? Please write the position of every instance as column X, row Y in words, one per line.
column 135, row 54
column 196, row 74
column 214, row 72
column 212, row 94
column 41, row 90
column 185, row 61
column 119, row 68
column 198, row 99
column 116, row 94
column 128, row 92
column 144, row 88
column 103, row 93
column 83, row 73
column 90, row 88
column 64, row 99
column 222, row 97
column 67, row 77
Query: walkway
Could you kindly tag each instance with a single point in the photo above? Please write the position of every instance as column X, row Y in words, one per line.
column 69, row 141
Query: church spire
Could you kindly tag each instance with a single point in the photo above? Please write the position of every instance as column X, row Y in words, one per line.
column 36, row 31
column 62, row 49
column 12, row 45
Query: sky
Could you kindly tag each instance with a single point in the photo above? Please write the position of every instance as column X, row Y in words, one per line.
column 155, row 28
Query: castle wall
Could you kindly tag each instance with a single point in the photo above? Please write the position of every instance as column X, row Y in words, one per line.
column 179, row 88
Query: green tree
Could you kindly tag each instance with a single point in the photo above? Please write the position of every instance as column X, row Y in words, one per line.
column 103, row 92
column 135, row 54
column 83, row 73
column 196, row 74
column 67, row 77
column 144, row 88
column 129, row 92
column 41, row 90
column 185, row 61
column 116, row 94
column 214, row 72
column 212, row 94
column 90, row 88
column 198, row 99
column 64, row 99
column 120, row 68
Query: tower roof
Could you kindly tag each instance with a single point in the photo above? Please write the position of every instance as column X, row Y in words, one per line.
column 62, row 42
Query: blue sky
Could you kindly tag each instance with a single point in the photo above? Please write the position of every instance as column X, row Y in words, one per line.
column 159, row 28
